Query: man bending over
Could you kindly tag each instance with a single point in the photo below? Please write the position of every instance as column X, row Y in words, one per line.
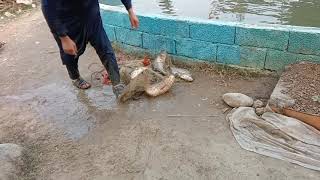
column 73, row 24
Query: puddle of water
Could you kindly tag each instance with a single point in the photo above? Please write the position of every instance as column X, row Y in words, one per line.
column 291, row 12
column 66, row 107
column 102, row 98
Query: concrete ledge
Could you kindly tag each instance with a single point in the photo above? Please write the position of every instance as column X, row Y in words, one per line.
column 255, row 46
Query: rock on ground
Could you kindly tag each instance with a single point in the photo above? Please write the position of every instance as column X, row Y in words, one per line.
column 10, row 156
column 237, row 100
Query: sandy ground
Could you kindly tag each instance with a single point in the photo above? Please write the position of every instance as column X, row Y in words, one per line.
column 71, row 134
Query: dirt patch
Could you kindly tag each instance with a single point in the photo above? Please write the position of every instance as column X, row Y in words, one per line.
column 302, row 85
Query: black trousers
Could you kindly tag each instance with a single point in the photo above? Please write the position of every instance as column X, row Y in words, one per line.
column 91, row 32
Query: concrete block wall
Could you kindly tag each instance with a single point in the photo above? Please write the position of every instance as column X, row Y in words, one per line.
column 256, row 46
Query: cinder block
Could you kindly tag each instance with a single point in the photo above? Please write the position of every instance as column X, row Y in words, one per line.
column 216, row 33
column 228, row 54
column 262, row 37
column 157, row 43
column 252, row 57
column 196, row 49
column 277, row 60
column 115, row 18
column 311, row 58
column 131, row 49
column 166, row 27
column 110, row 32
column 304, row 42
column 128, row 36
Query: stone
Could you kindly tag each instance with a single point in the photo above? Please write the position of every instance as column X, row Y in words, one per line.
column 26, row 2
column 260, row 111
column 258, row 104
column 237, row 100
column 10, row 157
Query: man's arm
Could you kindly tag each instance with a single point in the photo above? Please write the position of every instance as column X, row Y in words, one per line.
column 127, row 4
column 49, row 8
column 132, row 16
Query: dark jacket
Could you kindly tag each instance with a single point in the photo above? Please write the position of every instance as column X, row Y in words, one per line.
column 60, row 14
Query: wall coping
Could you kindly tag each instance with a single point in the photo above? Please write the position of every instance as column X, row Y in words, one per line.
column 219, row 22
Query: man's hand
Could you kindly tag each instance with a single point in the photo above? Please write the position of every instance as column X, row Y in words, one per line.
column 68, row 45
column 133, row 19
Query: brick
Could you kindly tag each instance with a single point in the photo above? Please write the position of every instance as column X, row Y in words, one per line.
column 157, row 43
column 115, row 18
column 110, row 32
column 130, row 49
column 165, row 27
column 262, row 37
column 277, row 60
column 196, row 49
column 228, row 54
column 311, row 58
column 128, row 36
column 304, row 42
column 216, row 33
column 252, row 57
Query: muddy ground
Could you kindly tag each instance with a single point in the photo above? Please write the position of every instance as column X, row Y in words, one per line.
column 71, row 134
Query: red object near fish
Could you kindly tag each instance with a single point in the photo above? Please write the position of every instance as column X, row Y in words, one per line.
column 105, row 78
column 146, row 61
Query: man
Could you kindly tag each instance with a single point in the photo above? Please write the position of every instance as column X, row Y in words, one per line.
column 73, row 24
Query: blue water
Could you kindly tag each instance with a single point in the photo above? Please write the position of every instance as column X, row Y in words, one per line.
column 289, row 12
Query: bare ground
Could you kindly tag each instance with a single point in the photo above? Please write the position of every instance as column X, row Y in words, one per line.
column 71, row 134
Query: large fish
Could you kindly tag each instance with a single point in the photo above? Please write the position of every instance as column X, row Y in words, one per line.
column 161, row 87
column 136, row 86
column 160, row 62
column 137, row 71
column 182, row 74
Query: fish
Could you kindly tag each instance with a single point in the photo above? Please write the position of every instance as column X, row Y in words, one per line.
column 135, row 87
column 182, row 74
column 161, row 87
column 159, row 63
column 137, row 71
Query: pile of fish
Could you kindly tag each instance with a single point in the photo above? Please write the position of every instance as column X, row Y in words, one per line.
column 153, row 79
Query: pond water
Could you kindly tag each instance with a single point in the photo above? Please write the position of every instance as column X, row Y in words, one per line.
column 288, row 12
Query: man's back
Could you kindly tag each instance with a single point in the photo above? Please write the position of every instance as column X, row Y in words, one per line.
column 71, row 7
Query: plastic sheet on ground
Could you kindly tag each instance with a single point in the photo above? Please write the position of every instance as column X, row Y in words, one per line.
column 277, row 136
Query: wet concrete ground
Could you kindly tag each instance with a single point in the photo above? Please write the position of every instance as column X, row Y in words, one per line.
column 72, row 134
